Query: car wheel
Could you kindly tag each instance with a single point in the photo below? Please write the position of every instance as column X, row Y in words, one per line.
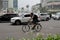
column 0, row 21
column 17, row 22
column 54, row 18
column 59, row 18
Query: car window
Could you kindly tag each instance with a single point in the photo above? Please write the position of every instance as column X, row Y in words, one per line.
column 6, row 15
column 27, row 15
column 14, row 15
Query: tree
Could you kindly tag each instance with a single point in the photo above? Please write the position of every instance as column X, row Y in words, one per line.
column 27, row 6
column 43, row 9
column 22, row 9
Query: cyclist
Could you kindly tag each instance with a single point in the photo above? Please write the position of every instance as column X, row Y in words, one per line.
column 34, row 20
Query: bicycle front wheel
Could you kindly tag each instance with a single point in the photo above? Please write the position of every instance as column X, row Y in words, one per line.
column 25, row 28
column 38, row 27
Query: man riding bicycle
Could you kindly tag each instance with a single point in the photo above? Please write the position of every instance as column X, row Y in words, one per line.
column 34, row 20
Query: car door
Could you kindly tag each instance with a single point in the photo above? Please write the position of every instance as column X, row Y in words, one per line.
column 43, row 16
column 5, row 17
column 26, row 18
column 0, row 18
column 10, row 16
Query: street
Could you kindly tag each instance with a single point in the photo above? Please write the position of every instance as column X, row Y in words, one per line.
column 8, row 30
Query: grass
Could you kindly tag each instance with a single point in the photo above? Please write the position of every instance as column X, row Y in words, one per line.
column 40, row 37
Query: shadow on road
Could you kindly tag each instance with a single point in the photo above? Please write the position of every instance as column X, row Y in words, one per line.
column 4, row 22
column 20, row 24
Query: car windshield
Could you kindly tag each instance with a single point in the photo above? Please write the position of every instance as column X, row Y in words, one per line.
column 44, row 14
column 17, row 15
column 14, row 15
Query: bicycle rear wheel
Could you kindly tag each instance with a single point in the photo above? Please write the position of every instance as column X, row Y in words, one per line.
column 38, row 27
column 25, row 28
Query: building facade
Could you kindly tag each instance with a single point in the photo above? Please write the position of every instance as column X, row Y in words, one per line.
column 0, row 4
column 12, row 3
column 8, row 4
column 15, row 3
column 51, row 5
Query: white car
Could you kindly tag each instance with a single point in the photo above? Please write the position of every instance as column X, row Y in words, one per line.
column 23, row 18
column 57, row 16
column 44, row 16
column 53, row 15
column 26, row 17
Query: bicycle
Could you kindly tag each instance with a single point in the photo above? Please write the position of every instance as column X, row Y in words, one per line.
column 26, row 28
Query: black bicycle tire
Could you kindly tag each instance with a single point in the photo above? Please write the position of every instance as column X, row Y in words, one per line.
column 25, row 26
column 39, row 29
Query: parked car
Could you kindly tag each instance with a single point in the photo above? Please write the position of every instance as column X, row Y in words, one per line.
column 53, row 15
column 24, row 18
column 57, row 16
column 7, row 17
column 44, row 16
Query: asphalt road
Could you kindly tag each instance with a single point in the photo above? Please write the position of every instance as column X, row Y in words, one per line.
column 8, row 31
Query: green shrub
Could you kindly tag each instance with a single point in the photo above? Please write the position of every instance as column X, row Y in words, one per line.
column 50, row 37
column 40, row 37
column 57, row 37
column 10, row 38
